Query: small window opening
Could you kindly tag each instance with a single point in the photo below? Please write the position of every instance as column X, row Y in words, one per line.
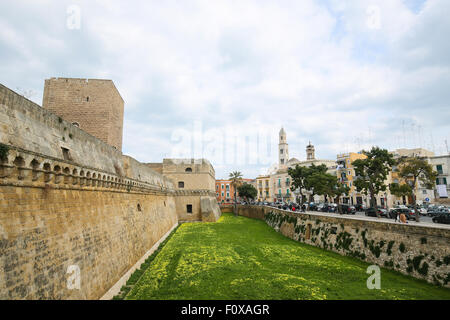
column 189, row 208
column 66, row 154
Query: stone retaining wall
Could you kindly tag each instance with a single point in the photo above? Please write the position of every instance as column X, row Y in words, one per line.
column 420, row 251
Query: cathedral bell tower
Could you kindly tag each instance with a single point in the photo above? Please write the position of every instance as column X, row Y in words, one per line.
column 310, row 152
column 283, row 150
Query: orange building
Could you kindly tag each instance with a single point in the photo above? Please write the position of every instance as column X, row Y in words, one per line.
column 225, row 190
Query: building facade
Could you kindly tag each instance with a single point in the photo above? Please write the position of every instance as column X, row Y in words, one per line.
column 225, row 191
column 441, row 164
column 346, row 175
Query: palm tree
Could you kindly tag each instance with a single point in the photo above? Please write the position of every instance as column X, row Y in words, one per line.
column 236, row 180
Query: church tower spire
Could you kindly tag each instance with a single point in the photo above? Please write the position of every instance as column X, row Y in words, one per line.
column 283, row 149
column 310, row 152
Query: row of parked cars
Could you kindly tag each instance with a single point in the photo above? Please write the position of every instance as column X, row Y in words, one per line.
column 439, row 214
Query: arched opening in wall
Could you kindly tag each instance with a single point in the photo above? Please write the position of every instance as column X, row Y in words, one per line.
column 139, row 208
column 76, row 124
column 19, row 162
column 189, row 208
column 47, row 167
column 34, row 164
column 180, row 184
column 188, row 170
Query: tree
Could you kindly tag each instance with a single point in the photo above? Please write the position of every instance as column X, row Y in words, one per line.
column 414, row 170
column 372, row 172
column 236, row 181
column 322, row 183
column 400, row 190
column 298, row 179
column 314, row 178
column 247, row 191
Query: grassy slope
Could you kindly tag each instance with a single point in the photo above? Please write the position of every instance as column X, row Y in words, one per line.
column 241, row 258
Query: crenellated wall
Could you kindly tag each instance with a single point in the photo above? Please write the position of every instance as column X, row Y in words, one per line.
column 69, row 201
column 419, row 251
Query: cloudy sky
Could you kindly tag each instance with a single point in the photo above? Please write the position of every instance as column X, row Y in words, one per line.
column 218, row 79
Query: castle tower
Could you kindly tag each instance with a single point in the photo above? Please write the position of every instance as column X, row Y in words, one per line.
column 283, row 150
column 310, row 152
column 95, row 106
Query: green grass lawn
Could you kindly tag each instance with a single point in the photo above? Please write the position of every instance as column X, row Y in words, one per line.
column 241, row 258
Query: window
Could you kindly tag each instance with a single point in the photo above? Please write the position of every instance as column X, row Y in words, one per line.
column 282, row 161
column 228, row 187
column 189, row 208
column 188, row 170
column 444, row 180
column 222, row 194
column 139, row 207
column 439, row 168
column 437, row 181
column 281, row 150
column 287, row 191
column 76, row 124
column 228, row 194
column 424, row 191
column 217, row 187
column 349, row 173
column 279, row 192
column 222, row 186
column 180, row 184
column 66, row 154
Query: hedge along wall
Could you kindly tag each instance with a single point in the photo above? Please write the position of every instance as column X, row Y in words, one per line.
column 420, row 251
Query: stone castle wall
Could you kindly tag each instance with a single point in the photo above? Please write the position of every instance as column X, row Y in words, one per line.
column 419, row 251
column 70, row 199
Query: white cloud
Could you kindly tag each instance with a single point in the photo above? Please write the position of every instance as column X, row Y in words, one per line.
column 317, row 68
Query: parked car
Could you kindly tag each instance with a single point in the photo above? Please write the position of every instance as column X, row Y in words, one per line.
column 348, row 209
column 320, row 206
column 332, row 207
column 313, row 206
column 328, row 207
column 422, row 211
column 372, row 212
column 443, row 217
column 360, row 207
column 435, row 211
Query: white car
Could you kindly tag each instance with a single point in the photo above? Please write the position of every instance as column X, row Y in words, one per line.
column 423, row 211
